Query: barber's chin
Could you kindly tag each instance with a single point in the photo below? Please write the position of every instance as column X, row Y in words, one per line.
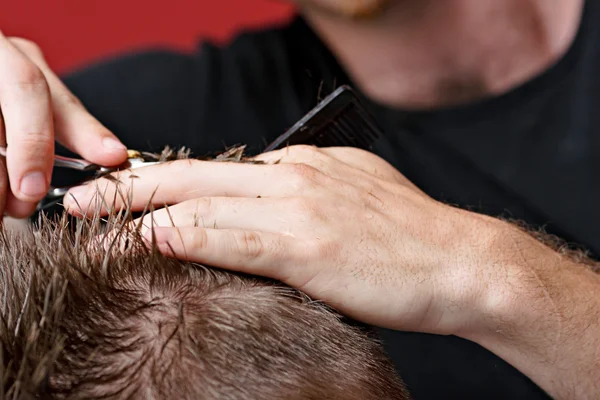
column 356, row 9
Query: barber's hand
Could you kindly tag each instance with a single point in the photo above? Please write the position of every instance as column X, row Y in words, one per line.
column 35, row 109
column 338, row 223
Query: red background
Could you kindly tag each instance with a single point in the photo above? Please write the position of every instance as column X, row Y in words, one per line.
column 72, row 32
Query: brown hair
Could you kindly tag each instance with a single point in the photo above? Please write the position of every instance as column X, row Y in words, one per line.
column 79, row 321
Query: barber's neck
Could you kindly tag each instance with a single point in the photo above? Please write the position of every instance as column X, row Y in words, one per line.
column 431, row 53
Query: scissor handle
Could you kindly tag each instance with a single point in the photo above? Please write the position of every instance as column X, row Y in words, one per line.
column 66, row 162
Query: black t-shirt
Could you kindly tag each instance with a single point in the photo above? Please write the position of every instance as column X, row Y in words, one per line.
column 530, row 154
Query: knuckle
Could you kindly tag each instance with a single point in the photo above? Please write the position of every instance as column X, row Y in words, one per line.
column 26, row 46
column 304, row 171
column 301, row 175
column 30, row 153
column 306, row 207
column 304, row 149
column 298, row 204
column 202, row 206
column 361, row 153
column 324, row 249
column 30, row 77
column 250, row 244
column 349, row 152
column 199, row 239
column 35, row 143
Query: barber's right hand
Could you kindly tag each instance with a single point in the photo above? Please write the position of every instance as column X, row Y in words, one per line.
column 35, row 110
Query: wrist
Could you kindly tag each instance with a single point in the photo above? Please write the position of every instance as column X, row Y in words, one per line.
column 470, row 289
column 514, row 293
column 496, row 280
column 538, row 310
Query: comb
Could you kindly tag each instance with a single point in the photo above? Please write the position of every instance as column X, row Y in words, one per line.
column 338, row 120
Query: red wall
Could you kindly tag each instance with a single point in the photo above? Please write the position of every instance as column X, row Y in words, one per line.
column 72, row 32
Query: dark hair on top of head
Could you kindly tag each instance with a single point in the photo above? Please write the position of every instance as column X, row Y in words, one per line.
column 82, row 322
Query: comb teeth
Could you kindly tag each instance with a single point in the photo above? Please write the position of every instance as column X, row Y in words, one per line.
column 349, row 128
column 339, row 120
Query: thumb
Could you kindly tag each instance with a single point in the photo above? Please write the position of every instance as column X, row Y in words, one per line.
column 75, row 128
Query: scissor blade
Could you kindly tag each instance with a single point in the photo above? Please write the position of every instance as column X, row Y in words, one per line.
column 74, row 163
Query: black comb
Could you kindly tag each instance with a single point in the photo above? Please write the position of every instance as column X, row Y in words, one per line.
column 338, row 120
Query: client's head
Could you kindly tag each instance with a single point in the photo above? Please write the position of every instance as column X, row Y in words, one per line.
column 80, row 321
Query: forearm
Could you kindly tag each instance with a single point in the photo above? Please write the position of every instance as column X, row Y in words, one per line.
column 541, row 313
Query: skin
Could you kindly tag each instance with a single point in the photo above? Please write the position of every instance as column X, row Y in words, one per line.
column 432, row 54
column 347, row 228
column 35, row 110
column 411, row 263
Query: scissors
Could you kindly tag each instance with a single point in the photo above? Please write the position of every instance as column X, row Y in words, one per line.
column 135, row 159
column 340, row 119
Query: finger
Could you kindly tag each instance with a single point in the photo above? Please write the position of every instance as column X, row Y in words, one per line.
column 364, row 161
column 9, row 204
column 28, row 122
column 322, row 159
column 4, row 185
column 361, row 174
column 302, row 154
column 195, row 179
column 256, row 253
column 351, row 164
column 16, row 208
column 371, row 164
column 282, row 216
column 75, row 127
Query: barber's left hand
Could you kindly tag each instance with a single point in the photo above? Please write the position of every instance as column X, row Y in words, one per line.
column 340, row 224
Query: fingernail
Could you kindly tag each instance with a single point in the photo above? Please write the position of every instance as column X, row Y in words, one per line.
column 161, row 236
column 33, row 184
column 75, row 195
column 113, row 144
